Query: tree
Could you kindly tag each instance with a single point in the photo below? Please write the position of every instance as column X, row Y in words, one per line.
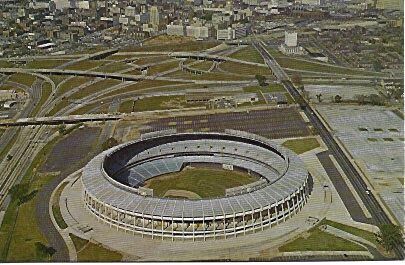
column 110, row 142
column 62, row 129
column 389, row 236
column 377, row 66
column 318, row 96
column 9, row 157
column 261, row 79
column 44, row 251
column 338, row 99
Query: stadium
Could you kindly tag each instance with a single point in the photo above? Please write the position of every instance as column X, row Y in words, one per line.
column 114, row 187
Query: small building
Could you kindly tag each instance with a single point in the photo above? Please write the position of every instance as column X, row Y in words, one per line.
column 9, row 104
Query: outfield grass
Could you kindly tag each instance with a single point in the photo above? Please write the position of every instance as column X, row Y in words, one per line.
column 300, row 146
column 90, row 252
column 72, row 83
column 25, row 79
column 249, row 54
column 320, row 241
column 45, row 93
column 207, row 183
column 44, row 64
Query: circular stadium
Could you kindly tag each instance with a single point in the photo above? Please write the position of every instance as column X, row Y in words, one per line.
column 116, row 188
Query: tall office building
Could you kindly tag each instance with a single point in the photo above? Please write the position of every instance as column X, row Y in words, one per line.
column 154, row 17
column 291, row 39
column 390, row 4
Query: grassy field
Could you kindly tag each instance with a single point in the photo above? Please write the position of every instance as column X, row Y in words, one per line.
column 44, row 64
column 248, row 54
column 140, row 85
column 85, row 65
column 25, row 79
column 151, row 59
column 112, row 67
column 245, row 69
column 202, row 65
column 91, row 252
column 208, row 76
column 56, row 209
column 207, row 183
column 300, row 146
column 318, row 240
column 101, row 107
column 19, row 231
column 45, row 93
column 353, row 230
column 266, row 89
column 58, row 78
column 299, row 64
column 6, row 64
column 163, row 67
column 93, row 88
column 154, row 103
column 72, row 83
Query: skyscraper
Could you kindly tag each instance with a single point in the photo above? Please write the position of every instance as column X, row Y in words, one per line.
column 154, row 17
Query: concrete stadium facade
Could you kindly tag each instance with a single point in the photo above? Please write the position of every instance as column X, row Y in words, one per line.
column 113, row 185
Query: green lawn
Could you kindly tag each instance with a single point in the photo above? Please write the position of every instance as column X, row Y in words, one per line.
column 45, row 64
column 98, row 86
column 46, row 92
column 245, row 69
column 202, row 65
column 249, row 54
column 90, row 252
column 299, row 64
column 85, row 65
column 353, row 230
column 6, row 64
column 19, row 231
column 112, row 67
column 163, row 67
column 320, row 241
column 207, row 183
column 140, row 85
column 266, row 89
column 300, row 146
column 25, row 79
column 72, row 83
column 56, row 209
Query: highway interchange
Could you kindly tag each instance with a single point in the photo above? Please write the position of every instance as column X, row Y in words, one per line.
column 29, row 140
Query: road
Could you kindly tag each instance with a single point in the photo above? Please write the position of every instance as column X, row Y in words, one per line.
column 376, row 211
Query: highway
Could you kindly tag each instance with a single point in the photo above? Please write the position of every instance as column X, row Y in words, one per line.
column 376, row 211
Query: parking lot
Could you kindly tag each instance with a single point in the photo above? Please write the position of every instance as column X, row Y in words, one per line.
column 271, row 123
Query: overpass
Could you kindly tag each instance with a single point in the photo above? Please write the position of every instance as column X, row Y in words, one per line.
column 71, row 119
